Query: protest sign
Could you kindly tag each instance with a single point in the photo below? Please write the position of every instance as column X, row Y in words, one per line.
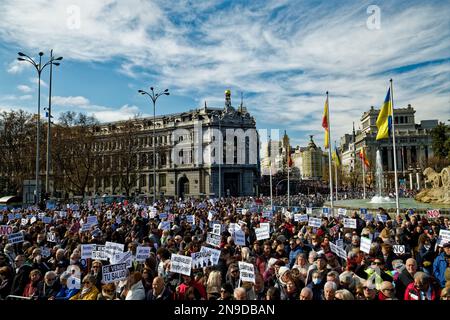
column 200, row 260
column 24, row 222
column 99, row 252
column 267, row 214
column 51, row 237
column 382, row 218
column 33, row 220
column 213, row 239
column 18, row 216
column 112, row 248
column 365, row 245
column 10, row 216
column 15, row 237
column 444, row 237
column 180, row 264
column 368, row 217
column 210, row 215
column 92, row 220
column 163, row 215
column 164, row 225
column 432, row 214
column 86, row 251
column 325, row 211
column 309, row 210
column 340, row 252
column 350, row 223
column 5, row 230
column 297, row 217
column 340, row 243
column 142, row 253
column 217, row 228
column 239, row 237
column 314, row 222
column 342, row 211
column 363, row 211
column 303, row 218
column 399, row 249
column 190, row 219
column 214, row 254
column 262, row 233
column 114, row 272
column 47, row 220
column 246, row 271
column 45, row 252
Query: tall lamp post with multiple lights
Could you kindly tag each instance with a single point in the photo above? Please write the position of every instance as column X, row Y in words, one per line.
column 39, row 67
column 154, row 97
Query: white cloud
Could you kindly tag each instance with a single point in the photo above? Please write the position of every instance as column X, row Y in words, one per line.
column 24, row 88
column 70, row 101
column 123, row 113
column 16, row 67
column 286, row 54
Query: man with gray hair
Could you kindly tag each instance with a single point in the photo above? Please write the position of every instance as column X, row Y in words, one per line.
column 240, row 294
column 306, row 294
column 51, row 286
column 329, row 290
column 405, row 277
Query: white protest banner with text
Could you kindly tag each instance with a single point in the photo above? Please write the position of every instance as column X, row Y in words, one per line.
column 86, row 251
column 180, row 264
column 213, row 239
column 349, row 223
column 114, row 272
column 239, row 237
column 246, row 271
column 142, row 253
column 5, row 230
column 314, row 222
column 15, row 237
column 262, row 233
column 365, row 244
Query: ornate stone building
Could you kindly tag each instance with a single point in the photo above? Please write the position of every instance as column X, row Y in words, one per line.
column 413, row 144
column 187, row 154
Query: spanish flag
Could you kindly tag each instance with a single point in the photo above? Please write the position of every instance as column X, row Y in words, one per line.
column 325, row 125
column 384, row 120
column 363, row 156
column 336, row 158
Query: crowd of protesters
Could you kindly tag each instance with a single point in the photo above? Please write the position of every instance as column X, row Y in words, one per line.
column 296, row 262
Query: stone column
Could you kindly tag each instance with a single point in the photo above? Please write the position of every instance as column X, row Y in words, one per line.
column 418, row 180
column 408, row 157
column 411, row 181
column 390, row 165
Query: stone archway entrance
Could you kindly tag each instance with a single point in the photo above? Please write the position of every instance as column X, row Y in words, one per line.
column 183, row 186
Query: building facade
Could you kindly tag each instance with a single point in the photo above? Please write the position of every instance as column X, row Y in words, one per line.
column 312, row 162
column 413, row 146
column 189, row 146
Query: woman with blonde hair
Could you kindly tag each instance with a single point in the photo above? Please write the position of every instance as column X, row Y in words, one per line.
column 88, row 291
column 136, row 288
column 343, row 294
column 213, row 285
column 108, row 292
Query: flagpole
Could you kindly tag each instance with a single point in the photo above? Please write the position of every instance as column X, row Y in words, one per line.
column 364, row 174
column 335, row 172
column 395, row 151
column 329, row 155
column 288, row 190
column 271, row 199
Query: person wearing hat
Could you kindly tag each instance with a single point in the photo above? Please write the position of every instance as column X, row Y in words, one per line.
column 440, row 264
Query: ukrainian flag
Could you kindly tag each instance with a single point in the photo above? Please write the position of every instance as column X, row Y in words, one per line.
column 384, row 120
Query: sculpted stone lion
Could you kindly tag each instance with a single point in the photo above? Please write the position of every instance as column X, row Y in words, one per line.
column 432, row 178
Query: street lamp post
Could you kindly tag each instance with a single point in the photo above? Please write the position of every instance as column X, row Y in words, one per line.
column 49, row 136
column 154, row 97
column 39, row 67
column 220, row 117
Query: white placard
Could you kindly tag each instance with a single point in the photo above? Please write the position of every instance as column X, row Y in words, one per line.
column 433, row 213
column 15, row 237
column 114, row 272
column 51, row 237
column 86, row 251
column 74, row 283
column 349, row 223
column 112, row 248
column 303, row 218
column 200, row 260
column 164, row 225
column 210, row 215
column 47, row 220
column 109, row 215
column 340, row 252
column 180, row 264
column 265, row 225
column 309, row 210
column 342, row 211
column 99, row 253
column 92, row 220
column 190, row 219
column 340, row 243
column 45, row 252
column 213, row 239
column 33, row 220
column 239, row 237
column 314, row 222
column 232, row 227
column 365, row 244
column 142, row 253
column 214, row 254
column 217, row 228
column 24, row 222
column 399, row 249
column 246, row 271
column 444, row 237
column 262, row 233
column 123, row 257
column 297, row 217
column 382, row 218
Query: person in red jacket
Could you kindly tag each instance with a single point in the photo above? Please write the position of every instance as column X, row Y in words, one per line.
column 422, row 288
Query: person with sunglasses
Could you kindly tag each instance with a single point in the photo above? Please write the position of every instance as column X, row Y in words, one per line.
column 88, row 291
column 108, row 292
column 387, row 291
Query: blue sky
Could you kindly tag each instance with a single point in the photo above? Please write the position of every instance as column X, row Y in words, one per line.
column 283, row 56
